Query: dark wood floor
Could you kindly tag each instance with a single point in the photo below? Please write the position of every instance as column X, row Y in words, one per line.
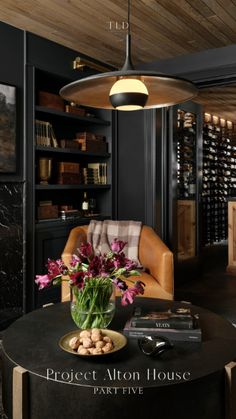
column 214, row 289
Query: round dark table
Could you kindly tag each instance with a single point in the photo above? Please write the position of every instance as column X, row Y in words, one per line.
column 186, row 382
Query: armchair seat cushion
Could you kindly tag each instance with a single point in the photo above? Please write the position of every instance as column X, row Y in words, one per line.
column 152, row 288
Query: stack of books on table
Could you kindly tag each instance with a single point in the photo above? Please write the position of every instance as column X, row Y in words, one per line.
column 179, row 325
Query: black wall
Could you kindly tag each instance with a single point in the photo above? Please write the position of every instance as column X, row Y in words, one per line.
column 141, row 141
column 130, row 166
column 12, row 185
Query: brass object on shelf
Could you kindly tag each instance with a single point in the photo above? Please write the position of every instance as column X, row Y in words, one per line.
column 45, row 170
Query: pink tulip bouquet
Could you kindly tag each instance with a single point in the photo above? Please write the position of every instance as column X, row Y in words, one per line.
column 92, row 279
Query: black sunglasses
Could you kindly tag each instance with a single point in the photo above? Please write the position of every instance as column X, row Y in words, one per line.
column 154, row 345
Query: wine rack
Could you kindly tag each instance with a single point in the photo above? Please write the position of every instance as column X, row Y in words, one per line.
column 186, row 162
column 219, row 177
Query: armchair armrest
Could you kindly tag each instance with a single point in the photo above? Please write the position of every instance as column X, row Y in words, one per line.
column 155, row 256
column 77, row 236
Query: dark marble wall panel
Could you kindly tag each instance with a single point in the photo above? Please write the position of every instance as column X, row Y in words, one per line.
column 12, row 184
column 11, row 251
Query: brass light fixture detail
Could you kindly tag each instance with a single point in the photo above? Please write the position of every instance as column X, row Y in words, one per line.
column 79, row 64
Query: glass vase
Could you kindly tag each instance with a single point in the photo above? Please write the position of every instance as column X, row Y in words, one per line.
column 94, row 305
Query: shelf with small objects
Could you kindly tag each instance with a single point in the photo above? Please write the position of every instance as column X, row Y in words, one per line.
column 219, row 176
column 72, row 155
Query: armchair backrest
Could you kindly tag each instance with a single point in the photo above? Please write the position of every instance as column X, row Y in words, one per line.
column 154, row 256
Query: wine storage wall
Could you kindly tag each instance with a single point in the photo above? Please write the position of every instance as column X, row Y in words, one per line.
column 219, row 177
column 186, row 155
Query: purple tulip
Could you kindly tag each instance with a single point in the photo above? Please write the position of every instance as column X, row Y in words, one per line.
column 117, row 245
column 95, row 266
column 130, row 264
column 86, row 250
column 129, row 295
column 139, row 286
column 74, row 261
column 42, row 281
column 77, row 279
column 55, row 268
column 120, row 284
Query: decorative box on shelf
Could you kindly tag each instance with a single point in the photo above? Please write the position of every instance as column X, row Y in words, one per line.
column 47, row 211
column 75, row 110
column 50, row 100
column 91, row 142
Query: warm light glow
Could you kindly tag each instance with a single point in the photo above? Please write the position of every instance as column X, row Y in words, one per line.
column 128, row 85
column 215, row 119
column 134, row 94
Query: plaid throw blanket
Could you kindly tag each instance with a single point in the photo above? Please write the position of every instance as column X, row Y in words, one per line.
column 102, row 233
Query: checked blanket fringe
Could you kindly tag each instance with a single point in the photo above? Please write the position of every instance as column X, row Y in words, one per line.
column 102, row 233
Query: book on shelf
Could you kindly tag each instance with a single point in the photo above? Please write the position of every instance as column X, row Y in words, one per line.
column 44, row 134
column 90, row 136
column 67, row 178
column 68, row 167
column 174, row 335
column 64, row 143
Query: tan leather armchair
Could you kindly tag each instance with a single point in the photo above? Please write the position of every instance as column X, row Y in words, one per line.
column 154, row 256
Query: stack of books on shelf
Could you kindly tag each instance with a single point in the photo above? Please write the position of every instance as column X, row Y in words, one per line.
column 91, row 142
column 179, row 325
column 44, row 134
column 90, row 176
column 101, row 169
column 68, row 173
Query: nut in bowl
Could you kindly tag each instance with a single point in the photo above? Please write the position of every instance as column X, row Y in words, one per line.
column 92, row 342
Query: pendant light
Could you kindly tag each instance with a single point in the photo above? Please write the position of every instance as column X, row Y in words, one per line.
column 129, row 89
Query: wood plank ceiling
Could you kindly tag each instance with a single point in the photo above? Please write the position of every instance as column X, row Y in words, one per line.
column 219, row 101
column 160, row 29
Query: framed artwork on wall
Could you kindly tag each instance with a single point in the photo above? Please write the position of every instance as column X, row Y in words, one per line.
column 7, row 129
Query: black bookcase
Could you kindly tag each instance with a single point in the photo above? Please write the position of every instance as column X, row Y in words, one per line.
column 46, row 238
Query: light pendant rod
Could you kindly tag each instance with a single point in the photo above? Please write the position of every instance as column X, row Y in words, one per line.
column 128, row 65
